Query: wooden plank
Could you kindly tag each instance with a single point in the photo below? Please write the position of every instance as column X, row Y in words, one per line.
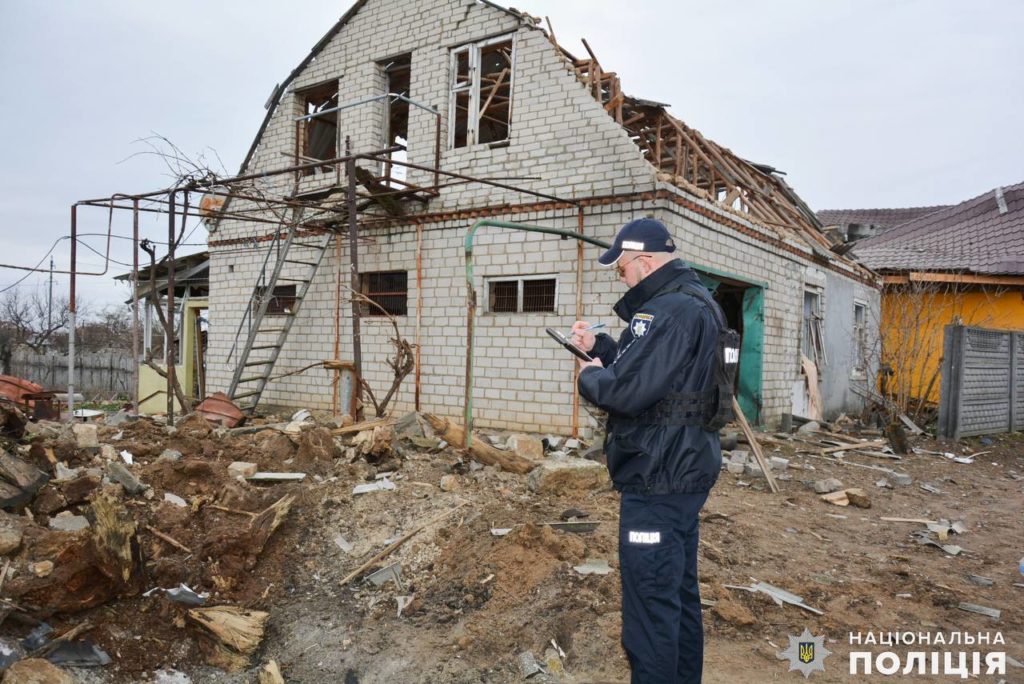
column 755, row 446
column 359, row 427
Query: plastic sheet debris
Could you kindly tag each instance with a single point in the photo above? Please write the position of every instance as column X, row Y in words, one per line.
column 780, row 596
column 78, row 654
column 391, row 573
column 378, row 486
column 38, row 637
column 8, row 655
column 981, row 610
column 500, row 531
column 593, row 566
column 343, row 543
column 181, row 594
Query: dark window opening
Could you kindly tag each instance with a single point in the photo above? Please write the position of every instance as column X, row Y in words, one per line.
column 282, row 301
column 481, row 93
column 522, row 295
column 504, row 296
column 389, row 290
column 319, row 133
column 397, row 74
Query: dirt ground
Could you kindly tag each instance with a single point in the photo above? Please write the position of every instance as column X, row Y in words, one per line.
column 475, row 601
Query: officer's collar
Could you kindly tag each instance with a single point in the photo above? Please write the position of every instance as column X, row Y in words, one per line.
column 638, row 295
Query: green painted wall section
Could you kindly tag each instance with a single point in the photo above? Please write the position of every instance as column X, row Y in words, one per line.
column 748, row 385
column 751, row 354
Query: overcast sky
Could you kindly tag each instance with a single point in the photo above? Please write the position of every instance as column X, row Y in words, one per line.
column 863, row 103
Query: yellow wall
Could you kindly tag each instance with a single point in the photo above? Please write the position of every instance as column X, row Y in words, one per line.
column 913, row 322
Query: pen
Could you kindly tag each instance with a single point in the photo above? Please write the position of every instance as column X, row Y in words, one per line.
column 596, row 326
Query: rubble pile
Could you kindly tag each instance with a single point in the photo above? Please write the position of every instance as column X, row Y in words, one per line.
column 313, row 548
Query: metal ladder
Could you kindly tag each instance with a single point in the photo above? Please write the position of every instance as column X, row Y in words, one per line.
column 252, row 374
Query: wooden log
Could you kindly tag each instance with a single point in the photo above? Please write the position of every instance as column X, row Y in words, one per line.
column 755, row 446
column 114, row 538
column 478, row 449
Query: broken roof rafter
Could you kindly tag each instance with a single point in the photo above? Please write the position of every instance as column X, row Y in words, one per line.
column 684, row 157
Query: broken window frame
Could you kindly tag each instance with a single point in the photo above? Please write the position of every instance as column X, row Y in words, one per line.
column 383, row 298
column 860, row 339
column 812, row 341
column 521, row 294
column 471, row 86
column 318, row 98
column 396, row 174
column 281, row 303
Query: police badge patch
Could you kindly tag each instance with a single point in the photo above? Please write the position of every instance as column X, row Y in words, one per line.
column 640, row 324
column 806, row 653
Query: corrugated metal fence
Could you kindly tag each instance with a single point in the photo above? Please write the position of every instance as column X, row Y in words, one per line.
column 982, row 382
column 105, row 372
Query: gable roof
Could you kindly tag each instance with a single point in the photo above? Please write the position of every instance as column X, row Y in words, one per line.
column 883, row 218
column 983, row 235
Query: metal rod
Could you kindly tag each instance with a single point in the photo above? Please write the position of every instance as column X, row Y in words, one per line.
column 72, row 310
column 579, row 317
column 353, row 248
column 437, row 154
column 471, row 298
column 135, row 307
column 419, row 307
column 375, row 98
column 503, row 186
column 169, row 331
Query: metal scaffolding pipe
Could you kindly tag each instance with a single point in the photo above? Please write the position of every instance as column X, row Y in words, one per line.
column 471, row 298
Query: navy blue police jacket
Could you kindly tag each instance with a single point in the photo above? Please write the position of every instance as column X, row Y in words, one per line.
column 668, row 347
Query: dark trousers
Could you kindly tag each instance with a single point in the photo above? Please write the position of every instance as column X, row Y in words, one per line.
column 662, row 630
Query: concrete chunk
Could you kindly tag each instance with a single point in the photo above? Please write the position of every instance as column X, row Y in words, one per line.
column 119, row 473
column 527, row 446
column 86, row 436
column 827, row 486
column 242, row 469
column 566, row 474
column 66, row 522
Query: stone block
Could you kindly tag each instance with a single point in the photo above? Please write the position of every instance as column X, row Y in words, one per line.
column 86, row 436
column 527, row 446
column 570, row 474
column 242, row 469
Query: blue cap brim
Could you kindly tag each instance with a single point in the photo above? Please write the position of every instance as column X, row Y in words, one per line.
column 611, row 256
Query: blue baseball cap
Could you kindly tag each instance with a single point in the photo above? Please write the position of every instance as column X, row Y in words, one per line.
column 639, row 235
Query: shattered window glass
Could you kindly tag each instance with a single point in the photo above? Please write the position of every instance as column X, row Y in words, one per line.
column 481, row 93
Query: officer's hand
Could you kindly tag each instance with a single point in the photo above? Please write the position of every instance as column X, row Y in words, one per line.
column 596, row 363
column 581, row 337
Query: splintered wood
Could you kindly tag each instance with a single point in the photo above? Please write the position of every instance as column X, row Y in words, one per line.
column 478, row 449
column 237, row 633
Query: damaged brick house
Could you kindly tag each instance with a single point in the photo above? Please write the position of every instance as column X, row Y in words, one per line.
column 488, row 117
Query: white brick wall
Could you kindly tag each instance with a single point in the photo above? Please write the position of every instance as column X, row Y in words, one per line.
column 568, row 147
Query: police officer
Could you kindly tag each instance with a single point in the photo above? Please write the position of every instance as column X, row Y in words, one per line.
column 653, row 383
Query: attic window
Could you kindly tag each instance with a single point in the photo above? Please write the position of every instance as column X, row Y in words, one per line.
column 319, row 134
column 480, row 107
column 397, row 73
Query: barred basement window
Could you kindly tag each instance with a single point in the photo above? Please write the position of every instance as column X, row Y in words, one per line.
column 480, row 106
column 522, row 295
column 319, row 134
column 282, row 301
column 388, row 289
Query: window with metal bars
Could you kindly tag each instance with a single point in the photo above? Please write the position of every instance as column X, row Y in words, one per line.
column 522, row 295
column 282, row 300
column 389, row 290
